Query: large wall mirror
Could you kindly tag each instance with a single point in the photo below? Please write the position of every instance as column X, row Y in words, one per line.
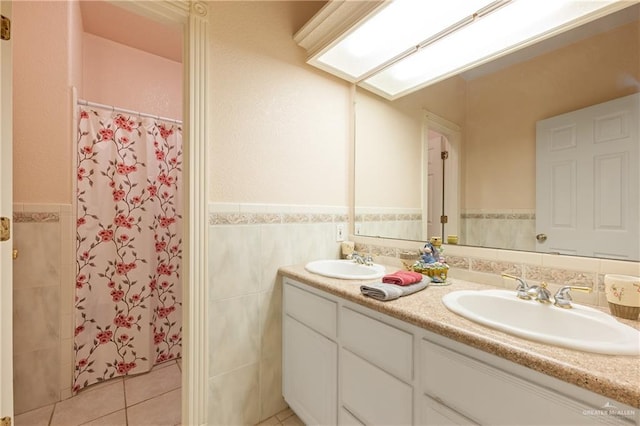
column 491, row 122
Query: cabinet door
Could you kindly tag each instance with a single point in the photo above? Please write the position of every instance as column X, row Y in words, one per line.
column 319, row 313
column 373, row 395
column 310, row 369
column 381, row 344
column 348, row 419
column 434, row 413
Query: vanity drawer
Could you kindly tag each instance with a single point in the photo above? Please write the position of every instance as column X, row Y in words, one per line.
column 348, row 419
column 371, row 394
column 433, row 412
column 310, row 309
column 484, row 394
column 383, row 345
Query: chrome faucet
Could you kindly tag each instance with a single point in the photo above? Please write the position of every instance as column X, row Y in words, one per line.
column 540, row 293
column 563, row 298
column 366, row 260
column 522, row 288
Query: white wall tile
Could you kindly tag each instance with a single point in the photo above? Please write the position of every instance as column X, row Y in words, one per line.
column 520, row 257
column 36, row 378
column 246, row 301
column 277, row 249
column 36, row 319
column 271, row 400
column 39, row 261
column 570, row 262
column 234, row 333
column 235, row 260
column 619, row 267
column 234, row 397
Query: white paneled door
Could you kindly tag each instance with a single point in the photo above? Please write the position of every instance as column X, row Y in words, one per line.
column 587, row 181
column 6, row 248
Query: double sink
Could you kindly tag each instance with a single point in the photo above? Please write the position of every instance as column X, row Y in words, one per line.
column 580, row 328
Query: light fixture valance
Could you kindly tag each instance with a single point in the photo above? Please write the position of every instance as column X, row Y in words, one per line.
column 396, row 47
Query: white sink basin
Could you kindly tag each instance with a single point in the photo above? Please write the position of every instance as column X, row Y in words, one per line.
column 580, row 328
column 345, row 269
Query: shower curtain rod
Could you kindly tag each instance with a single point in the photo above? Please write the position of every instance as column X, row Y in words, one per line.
column 127, row 111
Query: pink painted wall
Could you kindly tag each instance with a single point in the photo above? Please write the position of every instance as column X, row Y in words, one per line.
column 115, row 74
column 52, row 54
column 44, row 70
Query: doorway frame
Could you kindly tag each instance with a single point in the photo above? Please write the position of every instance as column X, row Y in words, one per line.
column 452, row 179
column 6, row 209
column 193, row 17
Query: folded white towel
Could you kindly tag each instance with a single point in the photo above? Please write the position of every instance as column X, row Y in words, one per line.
column 384, row 292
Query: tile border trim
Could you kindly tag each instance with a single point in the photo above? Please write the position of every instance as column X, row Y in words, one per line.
column 387, row 217
column 273, row 218
column 35, row 217
column 518, row 216
column 261, row 214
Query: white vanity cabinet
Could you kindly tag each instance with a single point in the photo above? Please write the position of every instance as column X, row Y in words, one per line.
column 310, row 356
column 346, row 364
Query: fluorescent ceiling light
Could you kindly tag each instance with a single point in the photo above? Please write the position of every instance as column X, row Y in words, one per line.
column 513, row 26
column 394, row 29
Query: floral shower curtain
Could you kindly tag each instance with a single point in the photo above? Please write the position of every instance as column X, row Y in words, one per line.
column 129, row 245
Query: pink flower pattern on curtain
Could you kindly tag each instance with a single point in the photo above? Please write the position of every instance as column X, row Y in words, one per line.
column 129, row 245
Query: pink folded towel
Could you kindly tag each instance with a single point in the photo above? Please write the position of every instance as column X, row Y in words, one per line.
column 402, row 278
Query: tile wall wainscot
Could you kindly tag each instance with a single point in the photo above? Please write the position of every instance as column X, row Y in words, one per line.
column 511, row 229
column 43, row 288
column 247, row 245
column 387, row 221
column 485, row 266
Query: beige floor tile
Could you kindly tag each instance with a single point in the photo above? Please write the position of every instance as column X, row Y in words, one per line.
column 271, row 421
column 88, row 406
column 119, row 418
column 100, row 385
column 156, row 382
column 163, row 365
column 292, row 421
column 159, row 411
column 285, row 414
column 37, row 417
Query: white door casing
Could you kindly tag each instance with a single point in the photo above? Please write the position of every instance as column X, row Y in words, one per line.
column 434, row 182
column 6, row 210
column 192, row 17
column 453, row 139
column 588, row 182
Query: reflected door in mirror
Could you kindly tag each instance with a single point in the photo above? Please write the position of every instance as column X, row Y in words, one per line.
column 588, row 185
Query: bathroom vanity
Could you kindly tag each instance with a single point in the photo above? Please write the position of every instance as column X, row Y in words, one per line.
column 349, row 359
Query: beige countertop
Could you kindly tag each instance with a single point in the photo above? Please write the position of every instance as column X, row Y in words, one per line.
column 616, row 377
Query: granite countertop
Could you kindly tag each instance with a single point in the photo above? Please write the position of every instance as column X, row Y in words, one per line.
column 616, row 377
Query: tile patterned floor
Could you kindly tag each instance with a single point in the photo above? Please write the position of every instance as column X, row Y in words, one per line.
column 284, row 418
column 147, row 399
